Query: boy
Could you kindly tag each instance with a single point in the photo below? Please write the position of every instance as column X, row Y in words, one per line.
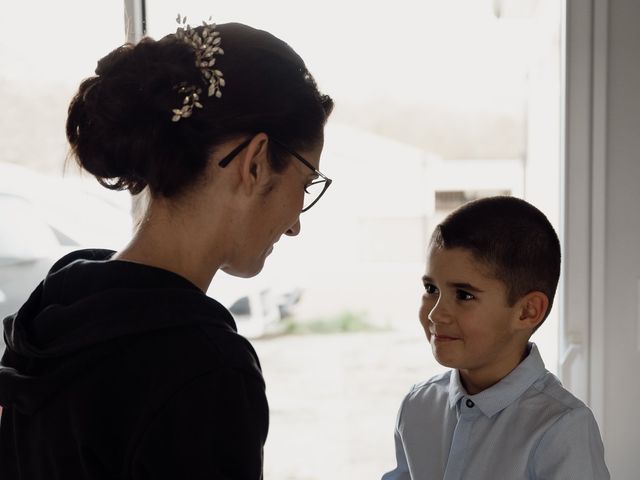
column 491, row 275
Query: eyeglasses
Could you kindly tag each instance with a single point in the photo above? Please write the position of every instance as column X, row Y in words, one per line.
column 313, row 191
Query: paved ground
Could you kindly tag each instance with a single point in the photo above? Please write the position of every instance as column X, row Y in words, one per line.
column 334, row 400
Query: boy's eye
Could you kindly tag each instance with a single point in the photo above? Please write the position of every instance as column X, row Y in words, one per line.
column 430, row 288
column 462, row 295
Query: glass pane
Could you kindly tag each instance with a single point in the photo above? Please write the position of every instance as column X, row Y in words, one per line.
column 437, row 102
column 46, row 210
column 43, row 62
column 47, row 48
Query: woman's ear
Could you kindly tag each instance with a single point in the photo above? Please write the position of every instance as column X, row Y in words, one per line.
column 254, row 169
column 533, row 309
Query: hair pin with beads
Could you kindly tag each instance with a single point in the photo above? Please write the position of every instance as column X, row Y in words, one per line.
column 206, row 45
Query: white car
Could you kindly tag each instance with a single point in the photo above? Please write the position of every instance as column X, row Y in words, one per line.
column 28, row 248
column 255, row 307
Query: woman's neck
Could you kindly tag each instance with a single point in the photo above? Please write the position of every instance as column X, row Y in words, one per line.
column 170, row 240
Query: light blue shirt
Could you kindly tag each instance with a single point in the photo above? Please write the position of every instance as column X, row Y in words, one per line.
column 527, row 426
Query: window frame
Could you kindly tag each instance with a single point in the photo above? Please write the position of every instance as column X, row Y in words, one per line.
column 581, row 344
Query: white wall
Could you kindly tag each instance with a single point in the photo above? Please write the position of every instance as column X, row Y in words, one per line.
column 622, row 257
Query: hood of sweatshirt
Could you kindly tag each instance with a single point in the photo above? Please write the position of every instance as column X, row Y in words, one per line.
column 87, row 307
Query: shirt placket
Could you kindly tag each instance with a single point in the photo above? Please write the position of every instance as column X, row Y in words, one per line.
column 457, row 462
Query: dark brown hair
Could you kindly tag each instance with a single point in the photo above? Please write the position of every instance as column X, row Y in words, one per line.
column 119, row 124
column 512, row 238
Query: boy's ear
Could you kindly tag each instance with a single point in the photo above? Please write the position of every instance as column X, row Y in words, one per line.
column 533, row 308
column 255, row 171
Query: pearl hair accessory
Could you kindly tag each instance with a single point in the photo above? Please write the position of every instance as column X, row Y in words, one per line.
column 206, row 46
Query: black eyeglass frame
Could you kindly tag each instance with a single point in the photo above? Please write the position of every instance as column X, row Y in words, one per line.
column 326, row 180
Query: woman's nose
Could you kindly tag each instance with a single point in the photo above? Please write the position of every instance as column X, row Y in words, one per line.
column 294, row 229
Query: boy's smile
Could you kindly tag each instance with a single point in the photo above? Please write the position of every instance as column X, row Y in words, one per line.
column 467, row 319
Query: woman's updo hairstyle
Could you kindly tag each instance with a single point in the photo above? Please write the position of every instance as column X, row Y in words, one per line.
column 120, row 124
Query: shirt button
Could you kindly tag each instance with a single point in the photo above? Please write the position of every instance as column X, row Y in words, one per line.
column 470, row 403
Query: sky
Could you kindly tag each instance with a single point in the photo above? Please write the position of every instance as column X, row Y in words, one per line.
column 454, row 50
column 403, row 50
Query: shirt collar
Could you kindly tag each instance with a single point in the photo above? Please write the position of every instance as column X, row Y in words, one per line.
column 502, row 394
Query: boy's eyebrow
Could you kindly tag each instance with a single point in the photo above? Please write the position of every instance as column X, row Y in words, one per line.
column 464, row 286
column 460, row 285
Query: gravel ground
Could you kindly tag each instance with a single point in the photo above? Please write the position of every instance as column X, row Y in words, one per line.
column 334, row 400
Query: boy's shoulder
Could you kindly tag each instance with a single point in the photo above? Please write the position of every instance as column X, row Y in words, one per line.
column 433, row 389
column 546, row 394
column 429, row 396
column 549, row 388
column 439, row 380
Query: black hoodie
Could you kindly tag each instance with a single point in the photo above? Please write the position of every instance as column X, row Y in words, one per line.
column 116, row 370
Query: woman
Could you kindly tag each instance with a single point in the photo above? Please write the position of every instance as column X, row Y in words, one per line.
column 118, row 365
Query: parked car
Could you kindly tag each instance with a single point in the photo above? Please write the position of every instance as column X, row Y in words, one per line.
column 28, row 248
column 257, row 307
column 43, row 218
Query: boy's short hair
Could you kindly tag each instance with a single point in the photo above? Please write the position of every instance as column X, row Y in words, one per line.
column 512, row 238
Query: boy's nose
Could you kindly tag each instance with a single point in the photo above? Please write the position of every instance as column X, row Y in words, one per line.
column 438, row 313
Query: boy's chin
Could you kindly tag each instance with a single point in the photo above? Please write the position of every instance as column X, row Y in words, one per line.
column 446, row 363
column 444, row 358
